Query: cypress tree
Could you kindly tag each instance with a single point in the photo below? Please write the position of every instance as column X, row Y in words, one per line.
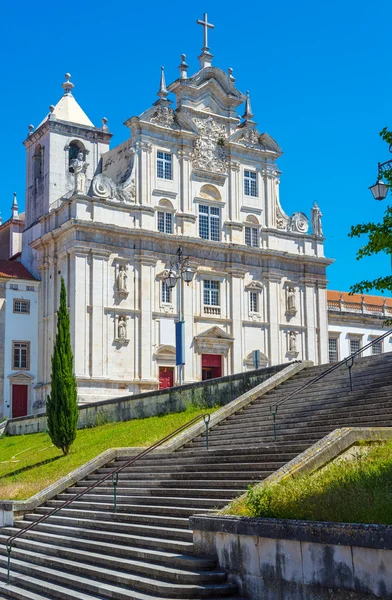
column 61, row 408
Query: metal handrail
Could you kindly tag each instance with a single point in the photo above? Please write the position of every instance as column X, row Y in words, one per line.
column 348, row 361
column 113, row 474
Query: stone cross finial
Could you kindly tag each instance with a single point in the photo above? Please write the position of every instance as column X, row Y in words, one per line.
column 206, row 25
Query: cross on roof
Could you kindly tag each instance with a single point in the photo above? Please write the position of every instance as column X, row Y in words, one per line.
column 206, row 25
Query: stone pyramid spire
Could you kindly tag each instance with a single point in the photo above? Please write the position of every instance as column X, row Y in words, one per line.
column 163, row 91
column 67, row 109
column 248, row 115
column 15, row 208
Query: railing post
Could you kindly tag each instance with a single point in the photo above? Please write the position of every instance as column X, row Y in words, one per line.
column 206, row 419
column 349, row 364
column 8, row 563
column 273, row 413
column 115, row 482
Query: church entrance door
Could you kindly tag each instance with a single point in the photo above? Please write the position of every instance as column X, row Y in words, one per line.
column 211, row 366
column 166, row 377
column 19, row 400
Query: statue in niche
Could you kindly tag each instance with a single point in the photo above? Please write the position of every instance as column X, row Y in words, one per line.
column 316, row 220
column 122, row 278
column 291, row 300
column 79, row 167
column 293, row 341
column 122, row 328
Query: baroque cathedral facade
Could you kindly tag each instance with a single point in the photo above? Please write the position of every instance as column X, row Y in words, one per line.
column 110, row 221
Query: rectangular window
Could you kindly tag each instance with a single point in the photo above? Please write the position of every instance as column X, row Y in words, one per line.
column 377, row 348
column 333, row 350
column 22, row 306
column 164, row 165
column 166, row 293
column 165, row 222
column 211, row 292
column 209, row 222
column 254, row 302
column 355, row 345
column 251, row 236
column 20, row 355
column 250, row 183
column 13, row 286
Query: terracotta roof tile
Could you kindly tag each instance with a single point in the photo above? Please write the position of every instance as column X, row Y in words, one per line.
column 333, row 295
column 12, row 269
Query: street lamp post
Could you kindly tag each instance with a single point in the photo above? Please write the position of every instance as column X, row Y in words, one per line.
column 380, row 188
column 180, row 271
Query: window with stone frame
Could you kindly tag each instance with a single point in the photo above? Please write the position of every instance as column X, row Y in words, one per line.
column 251, row 236
column 166, row 293
column 355, row 345
column 21, row 306
column 333, row 349
column 250, row 183
column 164, row 165
column 165, row 222
column 377, row 348
column 209, row 222
column 211, row 293
column 254, row 302
column 21, row 355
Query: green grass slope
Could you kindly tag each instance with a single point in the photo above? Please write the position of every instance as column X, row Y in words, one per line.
column 354, row 491
column 29, row 463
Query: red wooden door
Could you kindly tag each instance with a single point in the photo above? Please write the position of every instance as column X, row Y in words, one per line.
column 211, row 366
column 166, row 377
column 19, row 400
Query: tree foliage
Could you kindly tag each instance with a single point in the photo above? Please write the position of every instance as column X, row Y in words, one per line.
column 62, row 408
column 379, row 237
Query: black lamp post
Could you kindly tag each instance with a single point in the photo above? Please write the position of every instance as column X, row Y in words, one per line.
column 181, row 273
column 380, row 188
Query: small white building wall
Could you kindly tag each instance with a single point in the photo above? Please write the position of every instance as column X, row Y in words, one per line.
column 365, row 333
column 21, row 328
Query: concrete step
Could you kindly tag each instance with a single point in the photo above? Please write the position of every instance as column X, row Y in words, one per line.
column 117, row 592
column 108, row 568
column 183, row 492
column 88, row 533
column 46, row 540
column 173, row 533
column 153, row 499
column 129, row 486
column 143, row 509
column 214, row 473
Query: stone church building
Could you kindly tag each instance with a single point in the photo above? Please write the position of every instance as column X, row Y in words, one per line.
column 192, row 173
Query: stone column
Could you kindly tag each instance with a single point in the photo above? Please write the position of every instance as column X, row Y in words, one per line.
column 80, row 315
column 98, row 274
column 237, row 294
column 189, row 300
column 322, row 321
column 309, row 319
column 146, row 291
column 274, row 299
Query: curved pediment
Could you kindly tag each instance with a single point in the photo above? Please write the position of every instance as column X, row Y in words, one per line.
column 215, row 333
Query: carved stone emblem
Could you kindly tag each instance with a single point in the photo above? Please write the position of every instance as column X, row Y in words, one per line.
column 164, row 116
column 300, row 222
column 250, row 137
column 209, row 151
column 104, row 187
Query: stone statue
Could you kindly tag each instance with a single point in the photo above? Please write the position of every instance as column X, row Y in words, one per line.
column 79, row 167
column 291, row 300
column 122, row 280
column 316, row 220
column 122, row 328
column 293, row 341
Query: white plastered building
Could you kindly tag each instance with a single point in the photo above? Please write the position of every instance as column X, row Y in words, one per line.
column 192, row 174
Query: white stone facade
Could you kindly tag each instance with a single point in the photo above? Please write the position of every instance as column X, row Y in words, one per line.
column 195, row 175
column 354, row 321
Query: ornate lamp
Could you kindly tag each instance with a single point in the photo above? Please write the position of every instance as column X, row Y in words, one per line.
column 171, row 279
column 188, row 275
column 379, row 190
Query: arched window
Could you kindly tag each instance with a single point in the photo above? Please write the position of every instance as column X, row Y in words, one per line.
column 73, row 150
column 37, row 162
column 165, row 216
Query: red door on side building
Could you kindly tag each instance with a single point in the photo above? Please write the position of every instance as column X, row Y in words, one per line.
column 19, row 400
column 211, row 366
column 166, row 377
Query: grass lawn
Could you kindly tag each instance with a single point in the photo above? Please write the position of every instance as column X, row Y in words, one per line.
column 29, row 463
column 354, row 491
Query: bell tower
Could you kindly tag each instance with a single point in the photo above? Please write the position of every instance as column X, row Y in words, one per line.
column 64, row 135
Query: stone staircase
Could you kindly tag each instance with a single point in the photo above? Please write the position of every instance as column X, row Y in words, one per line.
column 144, row 551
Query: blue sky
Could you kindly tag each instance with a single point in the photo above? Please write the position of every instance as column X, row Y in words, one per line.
column 318, row 75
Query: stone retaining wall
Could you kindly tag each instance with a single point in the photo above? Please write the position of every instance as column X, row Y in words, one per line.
column 277, row 559
column 205, row 394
